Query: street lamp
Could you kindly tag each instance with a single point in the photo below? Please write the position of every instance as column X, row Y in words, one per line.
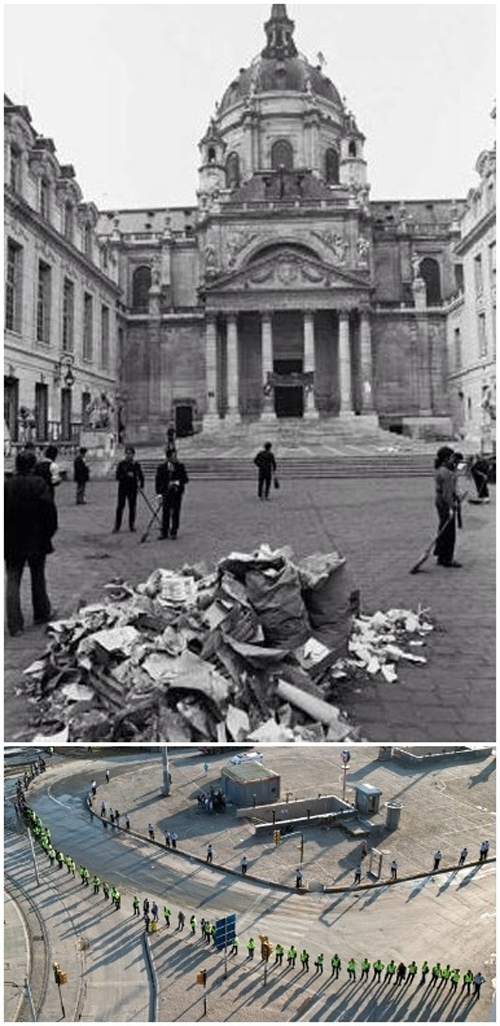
column 65, row 361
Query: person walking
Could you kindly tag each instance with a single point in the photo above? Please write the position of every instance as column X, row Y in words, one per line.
column 483, row 851
column 136, row 905
column 298, row 879
column 351, row 969
column 147, row 920
column 478, row 982
column 167, row 838
column 210, row 853
column 145, row 905
column 151, row 832
column 130, row 479
column 244, row 865
column 103, row 808
column 94, row 788
column 463, row 856
column 394, row 870
column 266, row 464
column 170, row 483
column 447, row 504
column 107, row 776
column 173, row 838
column 357, row 875
column 30, row 522
column 166, row 915
column 81, row 475
column 193, row 924
column 365, row 968
column 127, row 821
column 378, row 968
column 155, row 912
column 437, row 859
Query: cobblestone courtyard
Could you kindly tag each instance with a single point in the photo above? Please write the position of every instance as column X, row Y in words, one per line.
column 381, row 525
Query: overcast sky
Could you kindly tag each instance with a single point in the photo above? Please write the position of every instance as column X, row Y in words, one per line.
column 126, row 90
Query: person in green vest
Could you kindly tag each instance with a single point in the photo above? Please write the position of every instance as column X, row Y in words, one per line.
column 291, row 956
column 319, row 963
column 436, row 974
column 424, row 970
column 193, row 922
column 86, row 876
column 336, row 965
column 51, row 853
column 105, row 890
column 59, row 859
column 304, row 958
column 136, row 905
column 390, row 970
column 279, row 952
column 68, row 860
column 412, row 971
column 455, row 979
column 234, row 949
column 166, row 915
column 81, row 871
column 351, row 969
column 468, row 981
column 45, row 843
column 378, row 968
column 445, row 975
column 365, row 969
column 97, row 883
column 250, row 947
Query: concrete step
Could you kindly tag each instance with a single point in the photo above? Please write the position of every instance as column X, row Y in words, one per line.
column 293, row 468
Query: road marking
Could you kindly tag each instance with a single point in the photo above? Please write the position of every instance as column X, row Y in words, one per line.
column 56, row 800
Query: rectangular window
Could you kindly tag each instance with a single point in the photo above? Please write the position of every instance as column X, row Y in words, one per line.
column 483, row 342
column 44, row 290
column 88, row 314
column 13, row 286
column 105, row 336
column 15, row 169
column 45, row 199
column 458, row 349
column 478, row 274
column 69, row 222
column 68, row 317
column 493, row 263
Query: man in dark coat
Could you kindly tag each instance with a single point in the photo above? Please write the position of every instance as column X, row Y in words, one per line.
column 81, row 474
column 266, row 463
column 130, row 478
column 171, row 479
column 30, row 521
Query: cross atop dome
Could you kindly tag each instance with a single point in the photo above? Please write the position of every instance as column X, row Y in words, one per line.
column 279, row 33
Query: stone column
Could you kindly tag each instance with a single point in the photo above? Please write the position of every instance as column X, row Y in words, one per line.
column 155, row 430
column 233, row 409
column 345, row 366
column 211, row 418
column 310, row 411
column 365, row 339
column 268, row 411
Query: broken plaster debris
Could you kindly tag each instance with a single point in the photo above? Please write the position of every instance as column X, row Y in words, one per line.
column 249, row 652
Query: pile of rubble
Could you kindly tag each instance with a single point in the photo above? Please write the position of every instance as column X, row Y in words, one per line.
column 248, row 652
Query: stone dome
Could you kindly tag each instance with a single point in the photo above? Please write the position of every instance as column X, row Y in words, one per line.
column 279, row 68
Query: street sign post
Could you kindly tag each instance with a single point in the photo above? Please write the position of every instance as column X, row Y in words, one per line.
column 225, row 932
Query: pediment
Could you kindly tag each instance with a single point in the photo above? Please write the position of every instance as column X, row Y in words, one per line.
column 286, row 269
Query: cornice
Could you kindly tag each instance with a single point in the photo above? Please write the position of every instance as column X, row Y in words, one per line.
column 487, row 221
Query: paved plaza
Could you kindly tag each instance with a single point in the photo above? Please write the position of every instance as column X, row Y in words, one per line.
column 381, row 525
column 445, row 916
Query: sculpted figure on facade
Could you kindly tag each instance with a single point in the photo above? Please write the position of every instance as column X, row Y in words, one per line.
column 415, row 263
column 363, row 249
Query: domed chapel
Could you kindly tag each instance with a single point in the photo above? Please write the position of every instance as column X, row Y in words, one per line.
column 286, row 292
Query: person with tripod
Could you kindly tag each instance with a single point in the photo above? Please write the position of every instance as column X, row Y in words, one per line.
column 171, row 480
column 130, row 479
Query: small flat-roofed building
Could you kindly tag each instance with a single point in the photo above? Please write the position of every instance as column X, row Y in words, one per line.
column 250, row 783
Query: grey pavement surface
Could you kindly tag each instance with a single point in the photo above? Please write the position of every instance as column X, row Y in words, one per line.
column 447, row 916
column 380, row 525
column 17, row 957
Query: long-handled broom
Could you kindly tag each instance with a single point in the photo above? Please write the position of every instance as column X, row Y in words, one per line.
column 430, row 548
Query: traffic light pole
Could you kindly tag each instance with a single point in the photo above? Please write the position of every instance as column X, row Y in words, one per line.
column 61, row 1000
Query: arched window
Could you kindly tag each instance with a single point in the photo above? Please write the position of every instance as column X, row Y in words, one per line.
column 429, row 271
column 141, row 284
column 232, row 171
column 282, row 155
column 332, row 166
column 212, row 156
column 352, row 148
column 15, row 169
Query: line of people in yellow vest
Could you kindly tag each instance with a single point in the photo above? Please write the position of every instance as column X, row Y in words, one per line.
column 395, row 974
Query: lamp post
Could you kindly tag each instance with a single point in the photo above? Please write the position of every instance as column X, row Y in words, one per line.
column 65, row 363
column 166, row 775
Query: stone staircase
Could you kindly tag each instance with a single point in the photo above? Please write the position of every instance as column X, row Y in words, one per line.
column 297, row 468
